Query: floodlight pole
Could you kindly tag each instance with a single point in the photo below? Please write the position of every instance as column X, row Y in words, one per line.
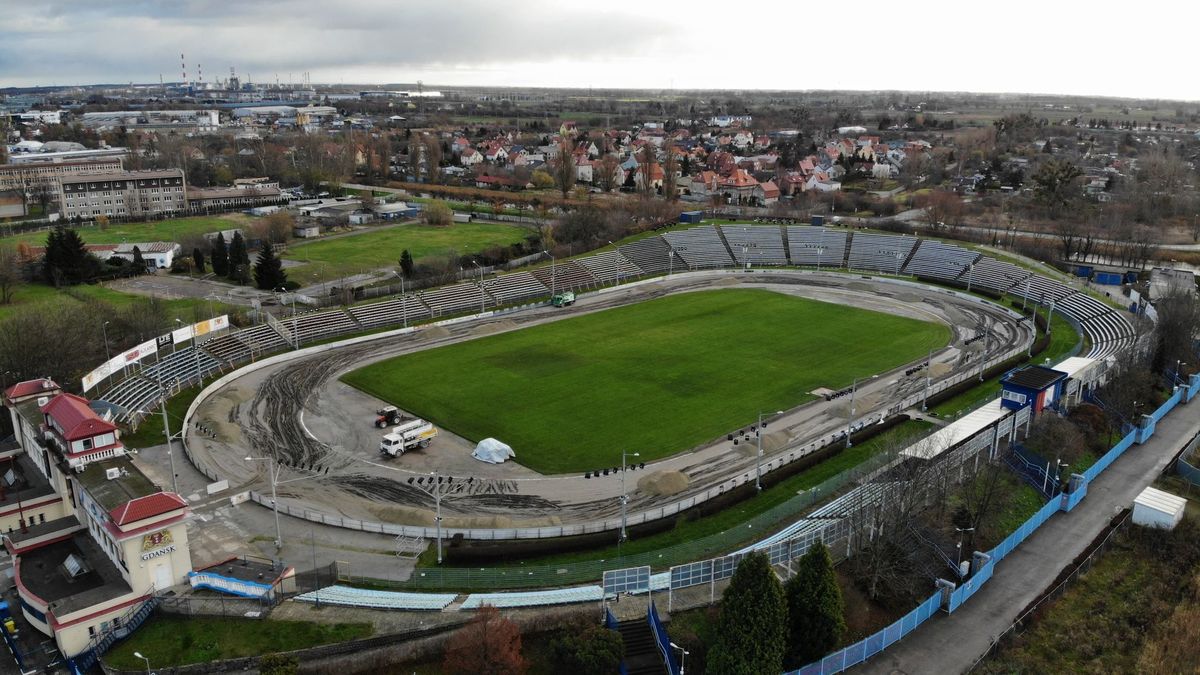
column 970, row 274
column 961, row 531
column 273, row 472
column 759, row 454
column 928, row 365
column 403, row 300
column 553, row 276
column 670, row 262
column 437, row 505
column 624, row 496
column 850, row 417
column 482, row 296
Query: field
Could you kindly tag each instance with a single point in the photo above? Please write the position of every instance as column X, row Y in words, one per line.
column 161, row 230
column 36, row 294
column 354, row 254
column 656, row 378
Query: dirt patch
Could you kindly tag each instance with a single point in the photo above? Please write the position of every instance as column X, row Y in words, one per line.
column 727, row 281
column 435, row 332
column 663, row 483
column 494, row 327
column 405, row 515
column 940, row 369
column 860, row 286
column 908, row 297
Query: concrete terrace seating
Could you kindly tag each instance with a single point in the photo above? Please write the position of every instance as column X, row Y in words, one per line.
column 261, row 338
column 610, row 266
column 996, row 276
column 228, row 348
column 460, row 297
column 181, row 365
column 361, row 597
column 396, row 311
column 1042, row 289
column 940, row 261
column 763, row 244
column 133, row 394
column 568, row 276
column 1109, row 333
column 651, row 255
column 515, row 287
column 879, row 252
column 816, row 246
column 1081, row 306
column 700, row 247
column 560, row 596
column 316, row 325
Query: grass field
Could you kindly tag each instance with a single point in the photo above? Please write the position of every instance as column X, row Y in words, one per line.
column 344, row 256
column 161, row 230
column 176, row 641
column 36, row 294
column 657, row 378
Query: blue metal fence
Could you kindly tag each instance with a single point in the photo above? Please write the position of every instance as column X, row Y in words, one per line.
column 864, row 649
column 663, row 640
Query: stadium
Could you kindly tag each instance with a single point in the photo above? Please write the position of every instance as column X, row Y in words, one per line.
column 638, row 365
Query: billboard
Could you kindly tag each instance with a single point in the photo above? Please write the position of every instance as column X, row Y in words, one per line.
column 135, row 355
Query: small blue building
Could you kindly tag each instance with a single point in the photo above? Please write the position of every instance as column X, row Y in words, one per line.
column 1036, row 386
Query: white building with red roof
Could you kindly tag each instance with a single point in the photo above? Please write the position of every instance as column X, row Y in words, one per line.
column 92, row 538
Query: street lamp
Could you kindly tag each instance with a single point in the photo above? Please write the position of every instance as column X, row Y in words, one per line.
column 928, row 381
column 683, row 653
column 482, row 296
column 620, row 274
column 273, row 471
column 139, row 655
column 437, row 504
column 670, row 261
column 970, row 274
column 758, row 456
column 961, row 531
column 624, row 497
column 899, row 257
column 403, row 300
column 553, row 276
column 850, row 418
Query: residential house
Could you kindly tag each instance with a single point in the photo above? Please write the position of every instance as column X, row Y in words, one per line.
column 470, row 157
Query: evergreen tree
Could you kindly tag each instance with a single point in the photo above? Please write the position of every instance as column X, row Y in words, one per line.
column 220, row 256
column 139, row 263
column 268, row 270
column 753, row 621
column 406, row 264
column 816, row 618
column 67, row 259
column 198, row 259
column 239, row 259
column 52, row 262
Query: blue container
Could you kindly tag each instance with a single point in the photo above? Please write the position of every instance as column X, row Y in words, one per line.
column 1131, row 277
column 691, row 216
column 1084, row 271
column 818, row 220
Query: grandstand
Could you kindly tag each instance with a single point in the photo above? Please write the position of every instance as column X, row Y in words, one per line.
column 131, row 395
column 405, row 309
column 361, row 597
column 515, row 287
column 700, row 247
column 756, row 246
column 460, row 297
column 318, row 325
column 652, row 255
column 937, row 260
column 610, row 266
column 560, row 596
column 879, row 252
column 181, row 366
column 565, row 276
column 817, row 246
column 996, row 276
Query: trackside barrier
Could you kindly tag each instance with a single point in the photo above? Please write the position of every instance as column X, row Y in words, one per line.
column 860, row 651
column 866, row 648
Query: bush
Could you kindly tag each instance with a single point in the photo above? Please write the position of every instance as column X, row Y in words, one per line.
column 437, row 213
column 594, row 651
column 278, row 664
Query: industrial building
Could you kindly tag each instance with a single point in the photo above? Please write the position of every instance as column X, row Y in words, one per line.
column 31, row 174
column 92, row 538
column 190, row 120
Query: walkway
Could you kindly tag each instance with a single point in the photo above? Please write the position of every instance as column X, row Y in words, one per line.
column 1033, row 565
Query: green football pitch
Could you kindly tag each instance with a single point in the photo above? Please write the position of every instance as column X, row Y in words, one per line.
column 658, row 378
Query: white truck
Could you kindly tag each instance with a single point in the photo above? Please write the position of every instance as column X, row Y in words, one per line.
column 413, row 434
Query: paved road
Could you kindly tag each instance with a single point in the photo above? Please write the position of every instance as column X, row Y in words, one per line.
column 952, row 644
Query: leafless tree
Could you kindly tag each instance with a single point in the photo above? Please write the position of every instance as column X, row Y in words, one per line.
column 609, row 177
column 433, row 158
column 647, row 164
column 670, row 171
column 10, row 274
column 562, row 168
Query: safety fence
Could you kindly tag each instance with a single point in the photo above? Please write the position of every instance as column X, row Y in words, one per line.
column 662, row 639
column 986, row 562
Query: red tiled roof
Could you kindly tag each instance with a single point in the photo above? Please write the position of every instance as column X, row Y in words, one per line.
column 75, row 418
column 739, row 179
column 769, row 190
column 29, row 388
column 147, row 507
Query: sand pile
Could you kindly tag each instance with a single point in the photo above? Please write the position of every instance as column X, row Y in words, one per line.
column 663, row 483
column 435, row 332
column 495, row 327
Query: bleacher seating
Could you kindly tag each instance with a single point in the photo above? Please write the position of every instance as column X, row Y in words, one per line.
column 1042, row 290
column 515, row 287
column 395, row 311
column 879, row 252
column 1109, row 333
column 261, row 338
column 652, row 255
column 996, row 276
column 763, row 244
column 559, row 596
column 610, row 266
column 228, row 348
column 361, row 597
column 316, row 325
column 940, row 261
column 700, row 247
column 1081, row 306
column 460, row 297
column 568, row 276
column 181, row 366
column 816, row 246
column 131, row 395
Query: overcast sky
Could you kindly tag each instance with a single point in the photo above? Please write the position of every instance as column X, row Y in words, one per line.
column 1047, row 46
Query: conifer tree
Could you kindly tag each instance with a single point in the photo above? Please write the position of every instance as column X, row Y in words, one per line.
column 816, row 614
column 751, row 627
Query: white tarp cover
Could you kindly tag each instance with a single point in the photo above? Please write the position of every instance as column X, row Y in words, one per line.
column 492, row 451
